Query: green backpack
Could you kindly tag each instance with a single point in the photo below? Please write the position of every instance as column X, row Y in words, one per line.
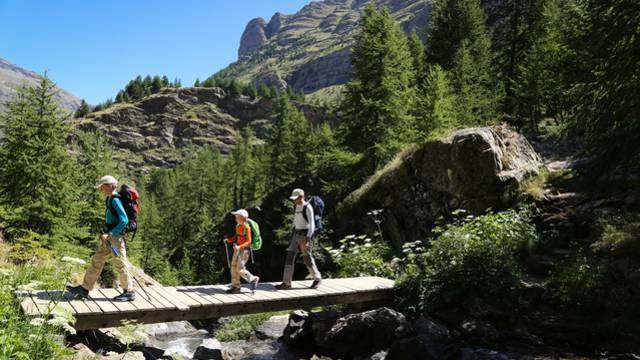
column 256, row 239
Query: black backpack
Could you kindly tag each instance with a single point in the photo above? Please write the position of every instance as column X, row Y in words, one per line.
column 129, row 198
column 317, row 204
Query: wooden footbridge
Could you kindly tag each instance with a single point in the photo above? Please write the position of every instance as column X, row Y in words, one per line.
column 162, row 304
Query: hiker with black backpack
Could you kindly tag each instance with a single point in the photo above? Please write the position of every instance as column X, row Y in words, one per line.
column 304, row 228
column 243, row 243
column 120, row 215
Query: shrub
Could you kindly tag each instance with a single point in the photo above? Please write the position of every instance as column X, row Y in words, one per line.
column 360, row 256
column 471, row 261
column 241, row 327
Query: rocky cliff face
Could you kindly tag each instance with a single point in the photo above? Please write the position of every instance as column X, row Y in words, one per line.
column 12, row 77
column 309, row 50
column 474, row 169
column 156, row 131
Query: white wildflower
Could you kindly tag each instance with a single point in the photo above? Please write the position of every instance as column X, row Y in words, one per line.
column 37, row 321
column 73, row 260
column 6, row 272
column 32, row 286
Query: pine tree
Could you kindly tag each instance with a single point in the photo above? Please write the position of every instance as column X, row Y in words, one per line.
column 35, row 169
column 436, row 102
column 379, row 98
column 519, row 25
column 609, row 109
column 459, row 42
column 539, row 89
column 165, row 81
column 288, row 144
column 418, row 56
column 83, row 110
column 196, row 83
column 477, row 92
column 156, row 84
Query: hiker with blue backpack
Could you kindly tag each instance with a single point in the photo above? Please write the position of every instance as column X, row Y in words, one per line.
column 246, row 239
column 305, row 225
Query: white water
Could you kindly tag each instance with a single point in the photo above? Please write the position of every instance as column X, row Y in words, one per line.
column 183, row 344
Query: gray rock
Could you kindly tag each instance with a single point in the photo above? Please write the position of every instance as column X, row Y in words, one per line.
column 483, row 354
column 363, row 333
column 252, row 38
column 272, row 328
column 429, row 328
column 475, row 169
column 210, row 349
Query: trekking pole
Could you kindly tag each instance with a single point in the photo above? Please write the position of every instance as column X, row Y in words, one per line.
column 126, row 268
column 251, row 251
column 226, row 250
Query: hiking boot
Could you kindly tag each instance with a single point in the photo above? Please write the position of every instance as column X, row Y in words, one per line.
column 283, row 286
column 78, row 292
column 315, row 284
column 234, row 290
column 125, row 296
column 254, row 283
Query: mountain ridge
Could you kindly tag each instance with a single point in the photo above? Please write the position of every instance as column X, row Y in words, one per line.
column 309, row 50
column 13, row 76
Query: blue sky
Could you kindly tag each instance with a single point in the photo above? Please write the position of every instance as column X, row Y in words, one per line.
column 93, row 48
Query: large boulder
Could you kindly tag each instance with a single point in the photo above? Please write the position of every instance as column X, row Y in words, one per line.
column 298, row 330
column 474, row 169
column 272, row 328
column 364, row 333
column 209, row 349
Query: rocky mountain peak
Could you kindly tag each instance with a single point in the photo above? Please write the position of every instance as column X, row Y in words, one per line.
column 309, row 50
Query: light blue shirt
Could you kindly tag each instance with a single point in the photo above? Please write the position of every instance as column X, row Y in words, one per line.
column 120, row 218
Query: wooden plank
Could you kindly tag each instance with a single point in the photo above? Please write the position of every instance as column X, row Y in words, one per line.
column 46, row 305
column 169, row 298
column 142, row 302
column 160, row 301
column 29, row 306
column 210, row 293
column 335, row 287
column 103, row 302
column 192, row 294
column 123, row 306
column 181, row 296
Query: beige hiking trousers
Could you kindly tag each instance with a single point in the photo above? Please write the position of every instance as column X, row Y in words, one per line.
column 119, row 262
column 238, row 269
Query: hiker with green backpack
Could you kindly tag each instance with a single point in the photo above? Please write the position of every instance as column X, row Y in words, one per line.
column 247, row 238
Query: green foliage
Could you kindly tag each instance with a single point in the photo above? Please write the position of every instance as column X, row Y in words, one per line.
column 33, row 338
column 435, row 104
column 288, row 144
column 520, row 26
column 83, row 110
column 459, row 42
column 360, row 256
column 609, row 109
column 240, row 327
column 469, row 262
column 35, row 169
column 378, row 100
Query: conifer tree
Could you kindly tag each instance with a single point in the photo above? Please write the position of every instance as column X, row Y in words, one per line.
column 379, row 98
column 83, row 110
column 196, row 83
column 519, row 25
column 459, row 41
column 35, row 169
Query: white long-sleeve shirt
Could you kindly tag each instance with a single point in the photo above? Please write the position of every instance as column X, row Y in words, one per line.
column 300, row 223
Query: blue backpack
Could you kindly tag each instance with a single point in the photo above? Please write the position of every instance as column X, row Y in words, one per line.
column 317, row 204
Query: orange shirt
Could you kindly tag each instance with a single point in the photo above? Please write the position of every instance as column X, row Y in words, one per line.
column 243, row 235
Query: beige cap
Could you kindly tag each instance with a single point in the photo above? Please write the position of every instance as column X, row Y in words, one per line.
column 296, row 193
column 107, row 179
column 242, row 212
